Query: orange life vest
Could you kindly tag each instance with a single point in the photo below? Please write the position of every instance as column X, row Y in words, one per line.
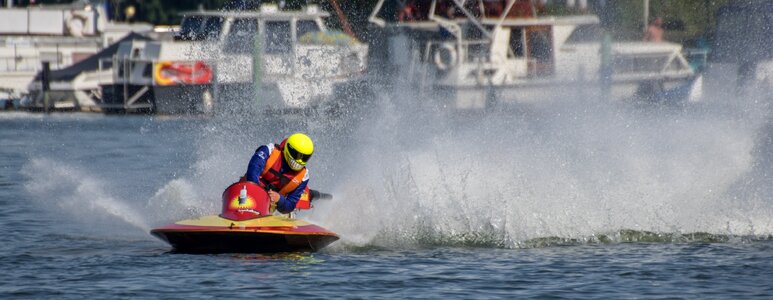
column 283, row 183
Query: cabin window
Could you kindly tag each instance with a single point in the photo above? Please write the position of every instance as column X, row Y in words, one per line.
column 198, row 28
column 539, row 46
column 212, row 28
column 190, row 29
column 241, row 38
column 306, row 26
column 516, row 42
column 278, row 38
column 147, row 71
column 637, row 64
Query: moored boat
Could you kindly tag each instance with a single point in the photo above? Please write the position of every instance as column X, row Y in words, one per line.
column 504, row 52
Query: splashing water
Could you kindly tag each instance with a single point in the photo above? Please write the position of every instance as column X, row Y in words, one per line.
column 404, row 173
column 407, row 175
column 563, row 169
column 66, row 190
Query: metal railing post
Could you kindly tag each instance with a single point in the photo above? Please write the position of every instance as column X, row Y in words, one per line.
column 44, row 81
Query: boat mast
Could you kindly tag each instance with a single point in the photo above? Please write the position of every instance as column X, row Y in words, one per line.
column 341, row 16
column 471, row 17
column 646, row 14
column 502, row 18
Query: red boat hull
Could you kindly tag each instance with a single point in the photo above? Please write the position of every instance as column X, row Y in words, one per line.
column 213, row 234
column 245, row 225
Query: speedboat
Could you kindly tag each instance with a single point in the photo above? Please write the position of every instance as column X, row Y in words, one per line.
column 247, row 225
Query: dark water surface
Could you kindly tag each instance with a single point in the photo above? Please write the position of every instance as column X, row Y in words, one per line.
column 78, row 194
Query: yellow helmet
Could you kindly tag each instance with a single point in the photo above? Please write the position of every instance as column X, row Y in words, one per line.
column 298, row 150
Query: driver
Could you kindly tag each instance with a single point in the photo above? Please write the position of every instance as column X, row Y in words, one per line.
column 282, row 170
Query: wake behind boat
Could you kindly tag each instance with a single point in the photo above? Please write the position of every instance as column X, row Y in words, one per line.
column 246, row 225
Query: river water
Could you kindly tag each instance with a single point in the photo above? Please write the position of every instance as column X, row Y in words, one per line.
column 596, row 200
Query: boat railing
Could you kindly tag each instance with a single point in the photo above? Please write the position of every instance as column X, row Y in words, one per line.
column 15, row 63
column 105, row 63
column 125, row 69
column 27, row 54
column 648, row 64
column 128, row 73
column 30, row 62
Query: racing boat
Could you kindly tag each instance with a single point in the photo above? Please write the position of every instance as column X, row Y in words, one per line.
column 247, row 225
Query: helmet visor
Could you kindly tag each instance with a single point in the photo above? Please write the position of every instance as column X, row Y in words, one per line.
column 297, row 156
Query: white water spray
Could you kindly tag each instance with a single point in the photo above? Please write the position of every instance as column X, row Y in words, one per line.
column 568, row 169
column 404, row 177
column 65, row 190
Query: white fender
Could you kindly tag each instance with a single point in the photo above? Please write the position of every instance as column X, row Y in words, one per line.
column 75, row 24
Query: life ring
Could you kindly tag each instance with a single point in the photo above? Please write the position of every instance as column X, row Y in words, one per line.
column 76, row 24
column 450, row 53
column 171, row 73
column 160, row 77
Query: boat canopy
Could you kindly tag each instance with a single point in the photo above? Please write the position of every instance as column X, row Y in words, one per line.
column 92, row 62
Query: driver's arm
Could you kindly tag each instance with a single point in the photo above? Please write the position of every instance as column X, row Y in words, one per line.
column 257, row 162
column 287, row 204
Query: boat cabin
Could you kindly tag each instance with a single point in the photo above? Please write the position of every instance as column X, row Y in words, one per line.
column 508, row 45
column 283, row 29
column 213, row 53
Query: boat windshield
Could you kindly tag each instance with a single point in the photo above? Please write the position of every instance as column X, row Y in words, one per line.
column 197, row 28
column 241, row 38
column 586, row 33
column 278, row 37
column 306, row 26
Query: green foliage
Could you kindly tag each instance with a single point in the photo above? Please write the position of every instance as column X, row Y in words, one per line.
column 698, row 17
column 161, row 12
column 685, row 20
